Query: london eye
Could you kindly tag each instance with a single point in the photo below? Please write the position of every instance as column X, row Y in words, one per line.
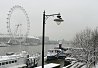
column 18, row 24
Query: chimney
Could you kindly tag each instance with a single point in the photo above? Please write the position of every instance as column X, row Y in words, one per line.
column 60, row 46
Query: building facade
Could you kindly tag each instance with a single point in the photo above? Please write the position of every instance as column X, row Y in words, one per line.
column 6, row 38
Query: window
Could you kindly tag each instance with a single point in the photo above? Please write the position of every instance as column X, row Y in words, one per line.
column 9, row 62
column 12, row 61
column 15, row 60
column 0, row 64
column 3, row 63
column 6, row 62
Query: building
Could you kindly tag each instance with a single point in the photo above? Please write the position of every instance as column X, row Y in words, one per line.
column 46, row 39
column 33, row 40
column 6, row 38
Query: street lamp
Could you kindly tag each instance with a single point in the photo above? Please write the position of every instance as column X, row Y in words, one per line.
column 45, row 17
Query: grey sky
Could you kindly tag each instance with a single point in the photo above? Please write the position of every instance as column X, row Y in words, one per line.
column 77, row 15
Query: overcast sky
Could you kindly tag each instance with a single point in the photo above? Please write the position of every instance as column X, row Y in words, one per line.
column 77, row 15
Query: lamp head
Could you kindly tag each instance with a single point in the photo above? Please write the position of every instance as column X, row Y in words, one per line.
column 58, row 16
column 58, row 20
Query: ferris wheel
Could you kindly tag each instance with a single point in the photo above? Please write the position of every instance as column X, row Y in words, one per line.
column 18, row 28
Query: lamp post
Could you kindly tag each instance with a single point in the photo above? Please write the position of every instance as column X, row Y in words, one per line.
column 45, row 17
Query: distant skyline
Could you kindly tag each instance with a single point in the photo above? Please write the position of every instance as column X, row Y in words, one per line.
column 77, row 15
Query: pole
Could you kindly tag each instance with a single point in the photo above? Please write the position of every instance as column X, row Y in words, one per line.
column 43, row 39
column 94, row 51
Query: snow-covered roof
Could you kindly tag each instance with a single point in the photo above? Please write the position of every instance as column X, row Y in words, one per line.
column 50, row 65
column 4, row 35
column 5, row 58
column 32, row 37
column 70, row 58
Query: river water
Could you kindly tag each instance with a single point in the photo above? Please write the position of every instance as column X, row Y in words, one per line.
column 31, row 50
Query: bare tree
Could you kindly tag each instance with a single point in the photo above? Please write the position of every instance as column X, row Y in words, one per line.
column 94, row 46
column 84, row 40
column 88, row 40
